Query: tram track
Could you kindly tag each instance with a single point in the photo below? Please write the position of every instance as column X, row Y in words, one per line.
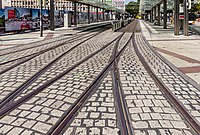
column 34, row 54
column 31, row 56
column 46, row 84
column 42, row 43
column 191, row 120
column 112, row 66
column 73, row 110
column 37, row 75
column 79, row 101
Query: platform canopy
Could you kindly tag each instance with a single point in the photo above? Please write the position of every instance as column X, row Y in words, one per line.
column 148, row 4
column 98, row 3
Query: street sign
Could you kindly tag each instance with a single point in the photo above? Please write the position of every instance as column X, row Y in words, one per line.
column 181, row 17
column 189, row 4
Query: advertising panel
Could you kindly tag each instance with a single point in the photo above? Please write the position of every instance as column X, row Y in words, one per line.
column 45, row 18
column 59, row 18
column 17, row 19
column 35, row 13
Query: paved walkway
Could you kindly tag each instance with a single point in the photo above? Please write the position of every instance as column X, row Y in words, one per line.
column 182, row 51
column 10, row 40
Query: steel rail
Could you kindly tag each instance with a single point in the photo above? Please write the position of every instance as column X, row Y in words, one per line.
column 77, row 35
column 123, row 113
column 43, row 51
column 80, row 102
column 25, row 85
column 124, row 119
column 65, row 120
column 172, row 98
column 12, row 106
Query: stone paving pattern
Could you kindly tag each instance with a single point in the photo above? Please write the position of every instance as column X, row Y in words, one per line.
column 98, row 116
column 185, row 92
column 20, row 74
column 37, row 47
column 149, row 110
column 45, row 109
column 69, row 59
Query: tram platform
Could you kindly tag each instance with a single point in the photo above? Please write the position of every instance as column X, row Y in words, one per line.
column 180, row 50
column 10, row 40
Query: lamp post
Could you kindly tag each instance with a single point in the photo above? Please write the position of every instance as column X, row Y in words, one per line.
column 41, row 24
column 185, row 28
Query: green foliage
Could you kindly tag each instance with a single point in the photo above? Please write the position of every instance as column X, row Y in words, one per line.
column 196, row 8
column 133, row 8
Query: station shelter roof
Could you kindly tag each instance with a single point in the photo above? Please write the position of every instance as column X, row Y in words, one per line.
column 148, row 4
column 98, row 3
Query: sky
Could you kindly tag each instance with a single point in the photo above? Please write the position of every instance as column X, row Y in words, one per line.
column 127, row 1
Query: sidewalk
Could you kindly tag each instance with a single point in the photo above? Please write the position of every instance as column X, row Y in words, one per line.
column 182, row 51
column 11, row 40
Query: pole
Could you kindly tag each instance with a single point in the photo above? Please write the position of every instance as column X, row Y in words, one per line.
column 51, row 14
column 41, row 24
column 103, row 12
column 97, row 15
column 88, row 14
column 1, row 4
column 154, row 13
column 75, row 16
column 176, row 17
column 158, row 14
column 185, row 27
column 165, row 14
column 111, row 15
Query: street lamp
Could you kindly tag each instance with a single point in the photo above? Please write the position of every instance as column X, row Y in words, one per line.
column 41, row 23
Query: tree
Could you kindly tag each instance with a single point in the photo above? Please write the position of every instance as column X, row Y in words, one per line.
column 196, row 8
column 133, row 8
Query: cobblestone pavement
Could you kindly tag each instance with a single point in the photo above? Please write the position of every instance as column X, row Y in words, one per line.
column 183, row 90
column 148, row 109
column 58, row 97
column 17, row 76
column 23, row 51
column 150, row 112
column 44, row 110
column 98, row 116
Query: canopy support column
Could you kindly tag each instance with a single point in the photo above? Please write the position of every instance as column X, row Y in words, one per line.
column 51, row 14
column 165, row 14
column 103, row 13
column 176, row 17
column 75, row 12
column 158, row 14
column 186, row 19
column 151, row 15
column 97, row 14
column 88, row 14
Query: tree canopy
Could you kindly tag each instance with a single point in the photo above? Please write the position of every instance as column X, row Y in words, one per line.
column 196, row 8
column 133, row 8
